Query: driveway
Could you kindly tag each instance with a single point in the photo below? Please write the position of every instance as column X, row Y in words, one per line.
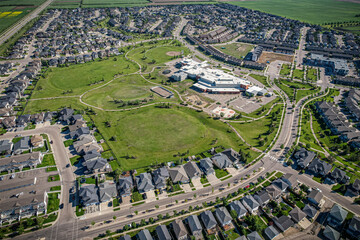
column 197, row 183
column 150, row 196
column 232, row 171
column 186, row 187
column 213, row 179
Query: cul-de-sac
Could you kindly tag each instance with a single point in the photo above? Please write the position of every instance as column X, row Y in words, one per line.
column 180, row 120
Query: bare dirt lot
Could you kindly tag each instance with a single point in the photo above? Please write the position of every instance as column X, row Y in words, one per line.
column 173, row 53
column 195, row 100
column 270, row 56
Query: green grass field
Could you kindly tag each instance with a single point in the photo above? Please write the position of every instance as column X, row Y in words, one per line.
column 311, row 74
column 261, row 79
column 77, row 78
column 129, row 88
column 285, row 70
column 306, row 10
column 153, row 135
column 238, row 50
column 260, row 133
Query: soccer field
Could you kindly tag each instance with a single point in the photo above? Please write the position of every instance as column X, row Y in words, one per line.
column 312, row 11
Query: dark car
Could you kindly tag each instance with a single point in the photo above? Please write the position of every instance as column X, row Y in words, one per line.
column 61, row 206
column 68, row 165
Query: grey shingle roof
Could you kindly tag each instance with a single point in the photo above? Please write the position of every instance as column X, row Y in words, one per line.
column 331, row 234
column 163, row 233
column 194, row 223
column 144, row 235
column 179, row 228
column 221, row 161
column 192, row 170
column 296, row 214
column 254, row 236
column 223, row 216
column 271, row 232
column 309, row 211
column 88, row 194
column 338, row 213
column 207, row 166
column 125, row 185
column 208, row 219
column 238, row 207
column 144, row 182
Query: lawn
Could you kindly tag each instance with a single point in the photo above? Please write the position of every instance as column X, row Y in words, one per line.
column 76, row 79
column 75, row 160
column 263, row 109
column 51, row 169
column 298, row 74
column 55, row 188
column 238, row 50
column 261, row 132
column 35, row 106
column 53, row 202
column 306, row 10
column 136, row 196
column 69, row 142
column 90, row 180
column 203, row 180
column 306, row 135
column 285, row 70
column 220, row 173
column 124, row 92
column 311, row 74
column 54, row 178
column 48, row 160
column 231, row 234
column 261, row 79
column 141, row 137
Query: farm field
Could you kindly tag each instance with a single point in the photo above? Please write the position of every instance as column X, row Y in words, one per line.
column 65, row 4
column 154, row 135
column 238, row 50
column 129, row 89
column 76, row 79
column 306, row 10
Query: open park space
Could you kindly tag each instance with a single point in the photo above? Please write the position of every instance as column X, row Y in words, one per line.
column 153, row 135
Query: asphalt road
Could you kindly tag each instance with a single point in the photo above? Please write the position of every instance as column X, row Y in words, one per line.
column 18, row 25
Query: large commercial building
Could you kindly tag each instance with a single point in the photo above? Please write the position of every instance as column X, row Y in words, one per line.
column 212, row 80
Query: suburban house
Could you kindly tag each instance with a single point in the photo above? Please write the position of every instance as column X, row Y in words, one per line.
column 319, row 167
column 315, row 197
column 262, row 198
column 280, row 184
column 79, row 132
column 18, row 162
column 6, row 147
column 163, row 233
column 144, row 182
column 195, row 226
column 250, row 203
column 37, row 141
column 89, row 195
column 303, row 157
column 354, row 188
column 224, row 218
column 179, row 229
column 125, row 237
column 107, row 191
column 232, row 155
column 192, row 170
column 221, row 161
column 290, row 179
column 296, row 214
column 271, row 232
column 178, row 174
column 22, row 145
column 160, row 176
column 209, row 222
column 238, row 208
column 206, row 166
column 283, row 222
column 336, row 216
column 125, row 186
column 273, row 191
column 331, row 234
column 354, row 227
column 254, row 236
column 65, row 115
column 309, row 211
column 144, row 235
column 97, row 165
column 339, row 176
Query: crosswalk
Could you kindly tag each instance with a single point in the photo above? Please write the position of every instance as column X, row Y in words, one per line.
column 275, row 159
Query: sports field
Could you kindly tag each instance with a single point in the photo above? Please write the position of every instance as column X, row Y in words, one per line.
column 153, row 135
column 77, row 79
column 125, row 89
column 238, row 50
column 312, row 11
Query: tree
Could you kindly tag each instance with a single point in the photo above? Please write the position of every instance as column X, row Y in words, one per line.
column 108, row 232
column 156, row 206
column 92, row 223
column 39, row 222
column 160, row 217
column 190, row 208
column 136, row 212
column 114, row 217
column 233, row 214
column 151, row 220
column 142, row 222
column 195, row 195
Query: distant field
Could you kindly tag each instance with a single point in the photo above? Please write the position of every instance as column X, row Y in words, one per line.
column 65, row 4
column 312, row 11
column 112, row 3
column 238, row 50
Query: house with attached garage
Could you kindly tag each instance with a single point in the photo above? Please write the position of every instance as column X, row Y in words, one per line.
column 271, row 232
column 336, row 216
column 283, row 222
column 290, row 179
column 354, row 227
column 6, row 147
column 280, row 184
column 309, row 211
column 144, row 182
column 179, row 229
column 232, row 155
column 330, row 234
column 144, row 235
column 209, row 222
column 319, row 167
column 192, row 170
column 250, row 203
column 224, row 218
column 221, row 161
column 162, row 233
column 178, row 174
column 338, row 176
column 99, row 164
column 238, row 208
column 159, row 177
column 125, row 186
column 107, row 191
column 22, row 145
column 315, row 197
column 273, row 191
column 353, row 189
column 262, row 198
column 206, row 166
column 303, row 157
column 296, row 214
column 194, row 225
column 89, row 195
